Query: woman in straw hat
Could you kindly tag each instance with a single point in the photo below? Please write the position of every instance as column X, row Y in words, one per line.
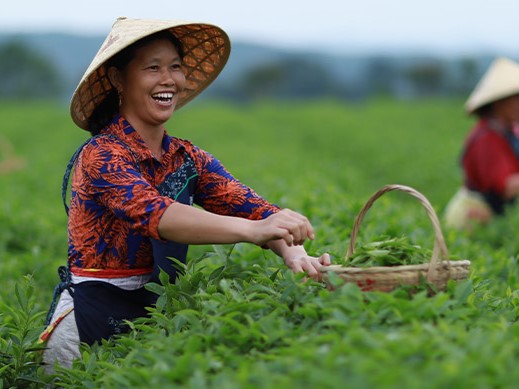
column 490, row 158
column 133, row 185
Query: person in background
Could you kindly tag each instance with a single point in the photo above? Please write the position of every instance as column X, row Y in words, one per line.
column 134, row 186
column 490, row 157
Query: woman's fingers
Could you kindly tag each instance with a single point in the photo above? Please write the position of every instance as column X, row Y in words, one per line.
column 297, row 226
column 287, row 225
column 309, row 265
column 325, row 259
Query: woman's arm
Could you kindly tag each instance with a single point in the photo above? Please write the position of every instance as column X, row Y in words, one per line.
column 283, row 232
column 186, row 224
column 512, row 186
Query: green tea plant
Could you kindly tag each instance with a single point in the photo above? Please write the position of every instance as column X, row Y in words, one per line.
column 236, row 317
column 19, row 331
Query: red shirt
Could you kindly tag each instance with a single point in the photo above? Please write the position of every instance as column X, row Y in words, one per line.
column 115, row 206
column 488, row 160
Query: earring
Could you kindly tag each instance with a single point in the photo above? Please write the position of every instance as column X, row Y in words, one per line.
column 120, row 95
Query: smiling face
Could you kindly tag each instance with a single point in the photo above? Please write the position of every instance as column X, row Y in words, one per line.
column 150, row 85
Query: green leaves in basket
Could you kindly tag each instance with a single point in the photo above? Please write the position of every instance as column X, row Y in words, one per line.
column 387, row 252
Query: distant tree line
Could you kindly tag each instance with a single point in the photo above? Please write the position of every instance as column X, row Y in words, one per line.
column 26, row 74
column 296, row 78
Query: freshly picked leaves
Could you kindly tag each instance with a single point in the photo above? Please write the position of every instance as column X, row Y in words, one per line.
column 387, row 252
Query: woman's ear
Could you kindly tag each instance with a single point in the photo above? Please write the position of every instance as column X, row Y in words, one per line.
column 114, row 75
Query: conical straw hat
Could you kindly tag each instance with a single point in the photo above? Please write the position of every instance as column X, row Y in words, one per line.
column 206, row 49
column 500, row 80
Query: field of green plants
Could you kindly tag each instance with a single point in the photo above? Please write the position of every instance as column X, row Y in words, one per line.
column 238, row 318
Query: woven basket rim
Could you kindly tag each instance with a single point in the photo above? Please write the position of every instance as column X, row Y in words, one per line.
column 392, row 269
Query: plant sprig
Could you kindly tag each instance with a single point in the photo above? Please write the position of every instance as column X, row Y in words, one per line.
column 387, row 252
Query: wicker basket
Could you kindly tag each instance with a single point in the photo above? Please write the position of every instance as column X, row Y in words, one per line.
column 437, row 272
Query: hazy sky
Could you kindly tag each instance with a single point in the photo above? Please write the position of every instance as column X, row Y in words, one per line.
column 441, row 25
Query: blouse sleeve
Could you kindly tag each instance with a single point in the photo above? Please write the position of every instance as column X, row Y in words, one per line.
column 219, row 192
column 113, row 180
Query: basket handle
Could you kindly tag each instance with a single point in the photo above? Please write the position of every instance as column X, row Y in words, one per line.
column 439, row 249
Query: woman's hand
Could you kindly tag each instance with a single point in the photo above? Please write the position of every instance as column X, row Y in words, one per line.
column 296, row 258
column 292, row 227
column 308, row 264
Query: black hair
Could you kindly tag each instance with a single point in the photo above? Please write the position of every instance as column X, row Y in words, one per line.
column 106, row 109
column 484, row 111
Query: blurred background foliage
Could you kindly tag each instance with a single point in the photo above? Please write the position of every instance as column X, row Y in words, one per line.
column 36, row 66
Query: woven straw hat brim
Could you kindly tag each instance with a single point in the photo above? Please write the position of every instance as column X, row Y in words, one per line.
column 499, row 81
column 206, row 51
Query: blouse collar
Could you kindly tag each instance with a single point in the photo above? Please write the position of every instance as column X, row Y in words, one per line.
column 123, row 130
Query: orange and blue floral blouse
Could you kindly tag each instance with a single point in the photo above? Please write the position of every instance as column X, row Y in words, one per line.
column 120, row 191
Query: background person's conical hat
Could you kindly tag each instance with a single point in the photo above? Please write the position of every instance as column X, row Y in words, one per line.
column 500, row 80
column 206, row 50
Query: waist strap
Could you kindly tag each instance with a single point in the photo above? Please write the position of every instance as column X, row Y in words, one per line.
column 66, row 281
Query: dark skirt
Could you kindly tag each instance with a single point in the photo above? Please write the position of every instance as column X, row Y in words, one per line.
column 101, row 309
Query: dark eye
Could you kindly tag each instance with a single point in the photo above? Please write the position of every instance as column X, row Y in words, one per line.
column 153, row 68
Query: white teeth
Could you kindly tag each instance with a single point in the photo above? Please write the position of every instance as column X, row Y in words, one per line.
column 163, row 96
